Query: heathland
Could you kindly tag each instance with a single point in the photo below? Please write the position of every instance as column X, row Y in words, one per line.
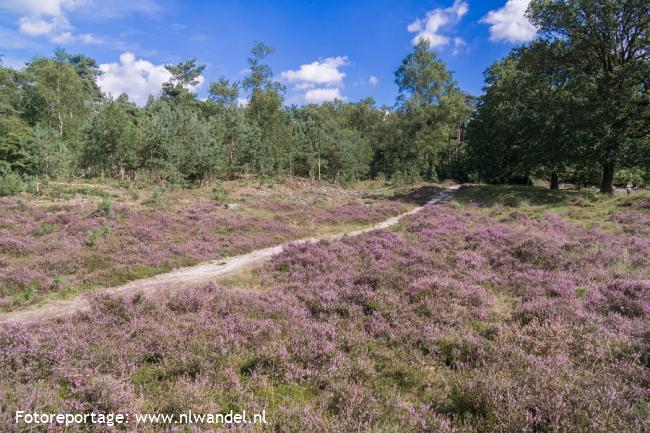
column 505, row 309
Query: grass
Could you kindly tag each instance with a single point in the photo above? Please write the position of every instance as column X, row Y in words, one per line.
column 587, row 208
column 248, row 279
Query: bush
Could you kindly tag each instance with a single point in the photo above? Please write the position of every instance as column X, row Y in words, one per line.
column 635, row 175
column 403, row 178
column 10, row 184
column 92, row 236
column 219, row 193
column 105, row 206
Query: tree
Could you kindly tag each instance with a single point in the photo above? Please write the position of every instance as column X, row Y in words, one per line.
column 110, row 140
column 526, row 120
column 224, row 93
column 422, row 78
column 494, row 148
column 265, row 110
column 55, row 96
column 184, row 76
column 429, row 106
column 607, row 50
column 87, row 69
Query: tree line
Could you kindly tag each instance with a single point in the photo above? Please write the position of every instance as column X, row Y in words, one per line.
column 571, row 104
column 55, row 123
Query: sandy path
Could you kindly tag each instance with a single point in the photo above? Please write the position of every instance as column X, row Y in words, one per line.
column 193, row 276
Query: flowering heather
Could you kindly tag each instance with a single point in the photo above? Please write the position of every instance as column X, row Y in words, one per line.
column 59, row 248
column 468, row 318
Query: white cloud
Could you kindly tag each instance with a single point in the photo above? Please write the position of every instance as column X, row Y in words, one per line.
column 320, row 81
column 436, row 20
column 323, row 72
column 49, row 18
column 52, row 8
column 90, row 39
column 373, row 81
column 509, row 24
column 33, row 26
column 135, row 77
column 459, row 44
column 317, row 96
column 62, row 38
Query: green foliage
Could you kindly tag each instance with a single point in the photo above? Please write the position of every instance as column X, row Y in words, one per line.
column 637, row 175
column 55, row 158
column 581, row 291
column 180, row 147
column 58, row 126
column 55, row 97
column 45, row 228
column 92, row 236
column 105, row 206
column 422, row 78
column 429, row 107
column 10, row 183
column 219, row 193
column 111, row 142
column 224, row 93
column 16, row 152
column 575, row 97
column 185, row 75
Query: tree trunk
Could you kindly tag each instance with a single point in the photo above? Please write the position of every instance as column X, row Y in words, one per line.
column 607, row 184
column 555, row 181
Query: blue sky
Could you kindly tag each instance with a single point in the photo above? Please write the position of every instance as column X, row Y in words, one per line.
column 324, row 49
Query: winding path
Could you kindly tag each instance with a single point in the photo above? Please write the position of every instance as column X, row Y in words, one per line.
column 193, row 276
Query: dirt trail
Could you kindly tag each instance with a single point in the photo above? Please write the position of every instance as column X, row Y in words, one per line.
column 194, row 275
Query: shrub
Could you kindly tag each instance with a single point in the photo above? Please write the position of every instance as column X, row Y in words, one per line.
column 635, row 175
column 10, row 184
column 92, row 236
column 105, row 206
column 219, row 193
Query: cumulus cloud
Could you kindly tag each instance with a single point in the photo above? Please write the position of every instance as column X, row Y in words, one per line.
column 318, row 72
column 136, row 77
column 33, row 26
column 327, row 94
column 321, row 80
column 509, row 23
column 429, row 27
column 373, row 81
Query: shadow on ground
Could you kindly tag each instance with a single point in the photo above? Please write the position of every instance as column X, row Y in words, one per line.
column 515, row 195
column 419, row 196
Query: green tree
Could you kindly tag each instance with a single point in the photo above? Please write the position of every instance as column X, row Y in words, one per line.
column 55, row 96
column 179, row 146
column 607, row 51
column 527, row 120
column 429, row 107
column 110, row 140
column 184, row 76
column 224, row 93
column 265, row 110
column 87, row 69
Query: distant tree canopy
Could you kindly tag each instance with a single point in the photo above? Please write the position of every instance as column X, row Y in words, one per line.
column 573, row 103
column 56, row 123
